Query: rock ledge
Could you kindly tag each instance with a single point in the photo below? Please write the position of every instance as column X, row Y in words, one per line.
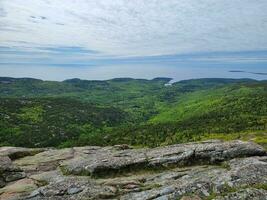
column 202, row 170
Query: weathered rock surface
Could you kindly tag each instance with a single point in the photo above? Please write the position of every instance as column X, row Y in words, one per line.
column 9, row 172
column 205, row 170
column 18, row 152
column 105, row 161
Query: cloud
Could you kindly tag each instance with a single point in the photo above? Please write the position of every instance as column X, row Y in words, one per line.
column 71, row 50
column 126, row 28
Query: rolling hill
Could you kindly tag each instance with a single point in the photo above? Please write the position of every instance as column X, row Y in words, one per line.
column 36, row 113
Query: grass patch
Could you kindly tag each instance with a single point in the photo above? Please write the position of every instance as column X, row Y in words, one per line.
column 258, row 137
column 225, row 165
column 144, row 187
column 261, row 186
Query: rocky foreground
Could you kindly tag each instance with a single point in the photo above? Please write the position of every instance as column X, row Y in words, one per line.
column 206, row 170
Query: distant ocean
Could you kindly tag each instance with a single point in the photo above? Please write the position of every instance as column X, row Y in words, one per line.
column 147, row 71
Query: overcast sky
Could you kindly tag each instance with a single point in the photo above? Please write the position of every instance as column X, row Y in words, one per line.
column 111, row 32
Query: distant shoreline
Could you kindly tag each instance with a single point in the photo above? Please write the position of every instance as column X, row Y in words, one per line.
column 240, row 71
column 167, row 80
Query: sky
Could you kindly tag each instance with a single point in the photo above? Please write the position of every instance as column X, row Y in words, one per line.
column 101, row 39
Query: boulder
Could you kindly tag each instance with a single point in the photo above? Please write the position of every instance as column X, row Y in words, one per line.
column 208, row 152
column 44, row 161
column 18, row 152
column 9, row 172
column 105, row 162
column 18, row 190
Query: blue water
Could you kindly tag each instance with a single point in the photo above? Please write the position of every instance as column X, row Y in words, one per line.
column 178, row 71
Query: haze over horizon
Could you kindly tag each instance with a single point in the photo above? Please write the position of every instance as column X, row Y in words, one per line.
column 88, row 39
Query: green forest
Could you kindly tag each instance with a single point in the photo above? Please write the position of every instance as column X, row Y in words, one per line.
column 138, row 112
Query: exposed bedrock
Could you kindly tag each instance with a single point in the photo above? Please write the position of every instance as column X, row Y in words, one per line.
column 202, row 170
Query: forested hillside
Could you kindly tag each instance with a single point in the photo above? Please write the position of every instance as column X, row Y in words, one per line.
column 36, row 113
